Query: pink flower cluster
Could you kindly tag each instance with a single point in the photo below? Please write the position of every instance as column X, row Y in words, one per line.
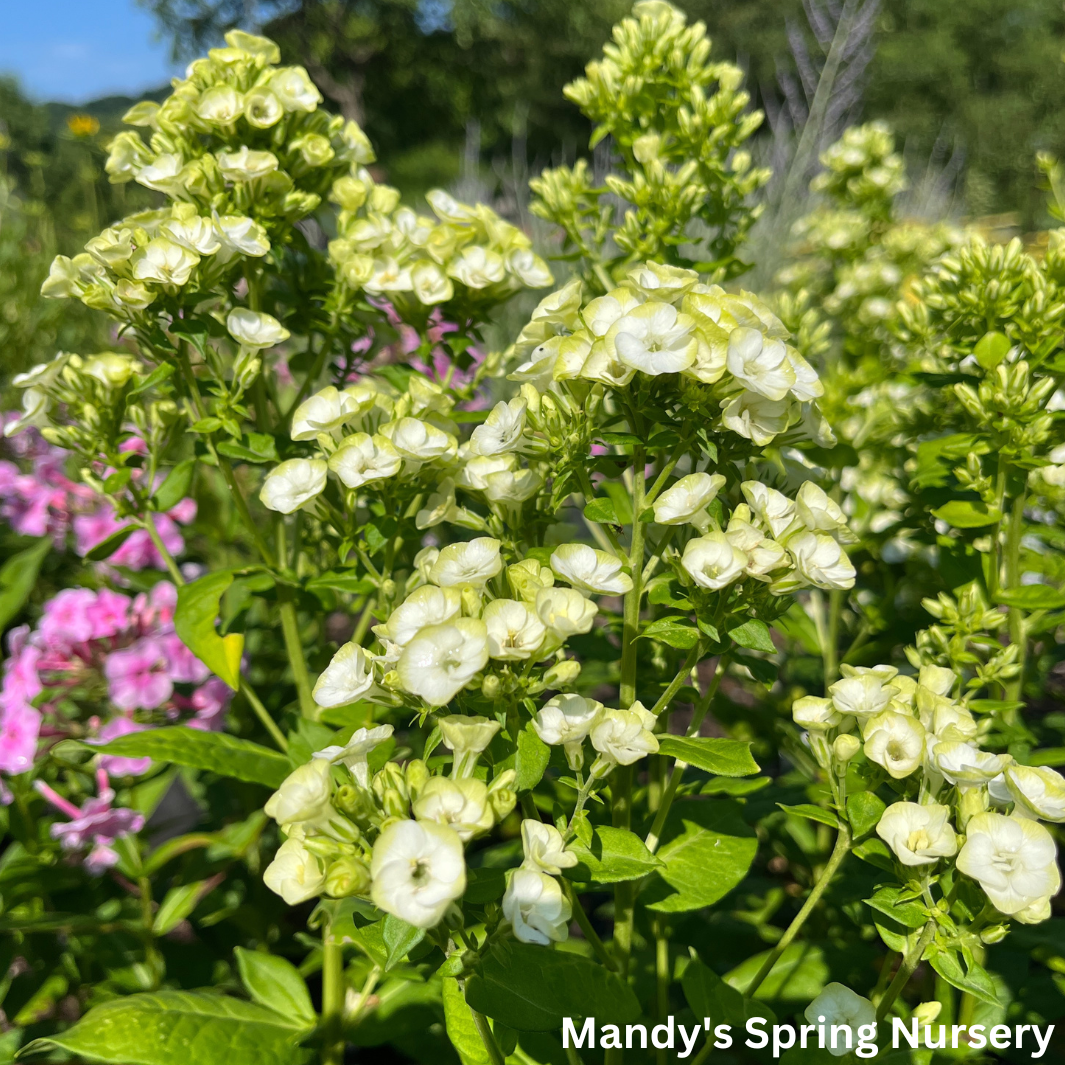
column 99, row 665
column 45, row 502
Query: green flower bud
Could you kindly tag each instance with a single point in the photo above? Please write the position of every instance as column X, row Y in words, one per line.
column 347, row 876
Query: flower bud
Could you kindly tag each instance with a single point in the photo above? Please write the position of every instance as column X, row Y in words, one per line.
column 994, row 934
column 927, row 1012
column 845, row 748
column 490, row 686
column 347, row 876
column 562, row 674
column 416, row 773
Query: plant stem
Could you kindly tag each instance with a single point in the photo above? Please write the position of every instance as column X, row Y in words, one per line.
column 1018, row 637
column 364, row 994
column 484, row 1030
column 590, row 933
column 839, row 852
column 263, row 715
column 148, row 522
column 902, row 977
column 661, row 983
column 332, row 998
column 830, row 656
column 290, row 631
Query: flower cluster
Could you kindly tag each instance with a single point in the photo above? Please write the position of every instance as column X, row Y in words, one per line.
column 727, row 353
column 927, row 741
column 100, row 664
column 394, row 837
column 465, row 258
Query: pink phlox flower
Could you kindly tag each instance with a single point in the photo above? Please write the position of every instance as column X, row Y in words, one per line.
column 137, row 552
column 154, row 612
column 137, row 676
column 96, row 824
column 113, row 764
column 66, row 618
column 93, row 529
column 21, row 680
column 109, row 614
column 135, row 444
column 184, row 512
column 20, row 727
column 210, row 701
column 183, row 666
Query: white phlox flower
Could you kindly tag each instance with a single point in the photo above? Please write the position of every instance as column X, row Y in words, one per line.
column 918, row 834
column 755, row 417
column 1013, row 858
column 820, row 560
column 467, row 738
column 254, row 329
column 653, row 338
column 428, row 605
column 429, row 283
column 1038, row 791
column 240, row 235
column 761, row 363
column 515, row 631
column 536, row 908
column 894, row 741
column 815, row 713
column 839, row 1006
column 295, row 90
column 659, row 281
column 473, row 562
column 245, row 164
column 712, row 561
column 323, row 412
column 772, row 508
column 477, row 267
column 418, row 870
column 442, row 659
column 529, row 268
column 819, row 512
column 293, row 484
column 418, row 441
column 348, row 677
column 362, row 458
column 163, row 173
column 565, row 611
column 967, row 766
column 502, row 430
column 354, row 754
column 304, row 794
column 602, row 312
column 195, row 234
column 590, row 570
column 686, row 501
column 862, row 695
column 220, row 105
column 621, row 737
column 164, row 261
column 566, row 720
column 763, row 554
column 295, row 873
column 461, row 804
column 544, row 848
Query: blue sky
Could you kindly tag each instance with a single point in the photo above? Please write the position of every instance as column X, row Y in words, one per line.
column 78, row 50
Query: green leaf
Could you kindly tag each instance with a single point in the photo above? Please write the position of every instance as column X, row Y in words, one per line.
column 798, row 976
column 178, row 903
column 602, row 511
column 734, row 788
column 991, row 349
column 461, row 1030
column 215, row 751
column 531, row 759
column 176, row 486
column 754, row 635
column 194, row 621
column 612, row 855
column 206, row 425
column 709, row 996
column 1050, row 756
column 723, row 758
column 674, row 631
column 341, row 581
column 936, row 457
column 179, row 1028
column 400, row 938
column 761, row 669
column 875, row 852
column 910, row 913
column 661, row 594
column 156, row 377
column 810, row 812
column 484, row 885
column 708, row 851
column 1032, row 597
column 252, row 447
column 864, row 810
column 276, row 983
column 531, row 988
column 110, row 544
column 967, row 514
column 975, row 981
column 18, row 576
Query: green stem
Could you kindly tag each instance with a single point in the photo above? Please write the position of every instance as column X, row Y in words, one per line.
column 661, row 983
column 332, row 998
column 290, row 631
column 263, row 715
column 148, row 523
column 484, row 1030
column 590, row 933
column 902, row 977
column 839, row 852
column 1018, row 637
column 831, row 650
